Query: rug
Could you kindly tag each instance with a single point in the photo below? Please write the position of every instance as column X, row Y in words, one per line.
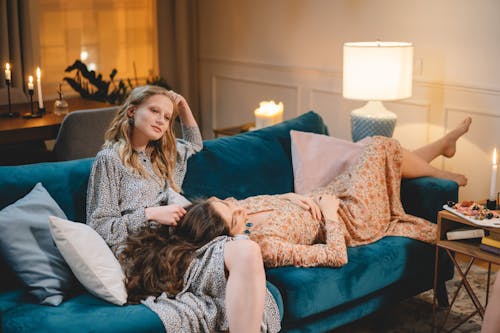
column 414, row 315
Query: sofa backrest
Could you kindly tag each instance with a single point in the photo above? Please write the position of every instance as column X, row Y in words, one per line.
column 65, row 181
column 256, row 162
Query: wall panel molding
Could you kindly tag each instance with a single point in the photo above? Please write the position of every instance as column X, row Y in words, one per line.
column 218, row 79
column 231, row 90
column 464, row 87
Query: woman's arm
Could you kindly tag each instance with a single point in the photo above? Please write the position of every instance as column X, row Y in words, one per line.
column 103, row 203
column 191, row 141
column 278, row 252
column 303, row 202
column 329, row 205
column 185, row 113
column 334, row 228
column 190, row 130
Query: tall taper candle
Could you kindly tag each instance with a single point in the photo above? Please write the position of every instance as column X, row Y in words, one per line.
column 494, row 169
column 39, row 86
column 30, row 82
column 7, row 72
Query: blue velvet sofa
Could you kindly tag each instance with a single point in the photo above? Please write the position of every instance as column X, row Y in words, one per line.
column 310, row 299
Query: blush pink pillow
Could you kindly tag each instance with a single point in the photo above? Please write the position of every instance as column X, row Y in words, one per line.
column 317, row 159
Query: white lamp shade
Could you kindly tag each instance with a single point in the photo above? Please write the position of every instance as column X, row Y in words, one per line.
column 377, row 71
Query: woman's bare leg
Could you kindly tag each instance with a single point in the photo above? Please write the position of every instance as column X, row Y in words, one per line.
column 246, row 286
column 491, row 322
column 445, row 146
column 414, row 166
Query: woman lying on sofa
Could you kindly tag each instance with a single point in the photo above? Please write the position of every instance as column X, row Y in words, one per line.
column 134, row 180
column 306, row 231
column 181, row 272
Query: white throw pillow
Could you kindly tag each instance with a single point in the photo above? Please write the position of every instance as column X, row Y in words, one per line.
column 90, row 259
column 317, row 159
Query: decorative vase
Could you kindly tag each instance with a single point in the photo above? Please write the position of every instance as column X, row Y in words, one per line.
column 60, row 105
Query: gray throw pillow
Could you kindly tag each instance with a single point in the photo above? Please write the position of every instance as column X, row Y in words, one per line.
column 28, row 248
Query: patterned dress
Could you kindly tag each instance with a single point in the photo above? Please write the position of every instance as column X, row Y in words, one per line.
column 200, row 306
column 370, row 208
column 117, row 198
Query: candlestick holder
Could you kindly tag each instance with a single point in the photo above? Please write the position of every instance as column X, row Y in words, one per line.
column 491, row 204
column 10, row 114
column 41, row 110
column 31, row 114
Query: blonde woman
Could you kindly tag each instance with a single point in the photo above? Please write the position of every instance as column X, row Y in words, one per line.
column 135, row 181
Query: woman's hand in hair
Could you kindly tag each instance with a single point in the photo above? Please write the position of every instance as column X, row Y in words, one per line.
column 168, row 215
column 183, row 108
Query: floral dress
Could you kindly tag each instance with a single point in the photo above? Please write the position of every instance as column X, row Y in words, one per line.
column 370, row 208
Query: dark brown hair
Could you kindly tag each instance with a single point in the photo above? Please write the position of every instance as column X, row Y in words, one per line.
column 156, row 257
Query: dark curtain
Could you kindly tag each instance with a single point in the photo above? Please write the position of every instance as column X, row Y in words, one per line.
column 178, row 48
column 16, row 47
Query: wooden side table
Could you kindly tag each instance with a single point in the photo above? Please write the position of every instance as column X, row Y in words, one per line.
column 468, row 247
column 233, row 130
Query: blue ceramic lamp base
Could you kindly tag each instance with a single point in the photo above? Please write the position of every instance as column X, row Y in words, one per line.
column 372, row 119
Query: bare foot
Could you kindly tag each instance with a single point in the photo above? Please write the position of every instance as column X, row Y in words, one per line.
column 461, row 180
column 450, row 139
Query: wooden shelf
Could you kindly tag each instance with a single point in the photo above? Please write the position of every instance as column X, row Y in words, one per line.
column 467, row 247
column 233, row 130
column 448, row 221
column 471, row 250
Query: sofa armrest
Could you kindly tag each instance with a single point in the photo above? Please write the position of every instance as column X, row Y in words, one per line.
column 425, row 196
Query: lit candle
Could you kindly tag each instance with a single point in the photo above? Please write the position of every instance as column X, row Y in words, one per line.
column 7, row 72
column 493, row 183
column 39, row 86
column 268, row 113
column 30, row 82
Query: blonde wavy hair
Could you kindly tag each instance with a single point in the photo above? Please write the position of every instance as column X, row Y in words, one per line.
column 163, row 152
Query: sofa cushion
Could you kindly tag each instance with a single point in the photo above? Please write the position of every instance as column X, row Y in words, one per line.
column 83, row 313
column 90, row 259
column 66, row 183
column 311, row 291
column 317, row 159
column 252, row 163
column 27, row 247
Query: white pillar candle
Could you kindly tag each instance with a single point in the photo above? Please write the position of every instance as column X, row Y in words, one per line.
column 268, row 113
column 7, row 72
column 39, row 86
column 494, row 169
column 30, row 82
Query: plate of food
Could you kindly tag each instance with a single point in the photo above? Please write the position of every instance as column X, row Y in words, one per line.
column 474, row 213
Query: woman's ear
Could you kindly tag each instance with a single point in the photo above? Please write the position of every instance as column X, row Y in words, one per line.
column 131, row 111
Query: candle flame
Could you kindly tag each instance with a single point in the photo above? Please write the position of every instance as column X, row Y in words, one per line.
column 38, row 73
column 269, row 108
column 494, row 159
column 7, row 66
column 30, row 79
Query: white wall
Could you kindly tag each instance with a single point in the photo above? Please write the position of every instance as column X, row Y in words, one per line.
column 291, row 51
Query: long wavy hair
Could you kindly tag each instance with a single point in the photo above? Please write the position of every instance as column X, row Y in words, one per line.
column 156, row 258
column 163, row 152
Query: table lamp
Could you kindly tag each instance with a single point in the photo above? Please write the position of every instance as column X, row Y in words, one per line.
column 376, row 72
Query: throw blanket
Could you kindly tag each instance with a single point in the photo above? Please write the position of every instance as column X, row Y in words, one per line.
column 200, row 307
